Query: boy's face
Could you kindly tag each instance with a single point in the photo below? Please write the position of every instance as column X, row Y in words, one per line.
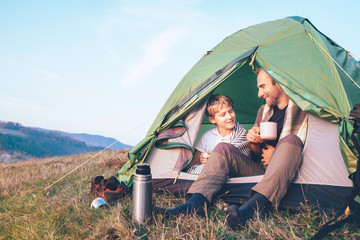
column 224, row 119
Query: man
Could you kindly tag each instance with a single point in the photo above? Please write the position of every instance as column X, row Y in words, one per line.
column 281, row 159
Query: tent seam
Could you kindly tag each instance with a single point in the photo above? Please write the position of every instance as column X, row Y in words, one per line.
column 314, row 40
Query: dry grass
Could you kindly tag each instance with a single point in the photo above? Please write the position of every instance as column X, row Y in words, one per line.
column 28, row 212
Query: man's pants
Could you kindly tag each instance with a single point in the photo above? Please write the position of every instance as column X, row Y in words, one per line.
column 227, row 161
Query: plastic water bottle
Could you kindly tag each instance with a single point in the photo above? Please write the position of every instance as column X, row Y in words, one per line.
column 142, row 193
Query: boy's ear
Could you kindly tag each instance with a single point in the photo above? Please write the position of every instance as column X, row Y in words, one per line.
column 211, row 119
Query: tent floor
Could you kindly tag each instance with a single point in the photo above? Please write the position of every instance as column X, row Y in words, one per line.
column 318, row 196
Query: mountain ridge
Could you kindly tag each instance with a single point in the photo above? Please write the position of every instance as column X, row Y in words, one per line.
column 93, row 140
column 18, row 142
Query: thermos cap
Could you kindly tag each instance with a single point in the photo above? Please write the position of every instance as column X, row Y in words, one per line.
column 143, row 169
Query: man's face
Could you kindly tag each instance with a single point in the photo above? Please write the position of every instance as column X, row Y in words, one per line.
column 268, row 88
column 224, row 119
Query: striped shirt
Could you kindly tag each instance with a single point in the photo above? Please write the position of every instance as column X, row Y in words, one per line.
column 211, row 138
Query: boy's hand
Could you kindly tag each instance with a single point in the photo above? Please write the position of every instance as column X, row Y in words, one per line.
column 266, row 155
column 253, row 135
column 204, row 157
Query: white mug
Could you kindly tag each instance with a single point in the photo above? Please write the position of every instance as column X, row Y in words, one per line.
column 268, row 130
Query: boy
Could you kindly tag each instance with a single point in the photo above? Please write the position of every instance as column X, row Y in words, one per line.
column 228, row 136
column 221, row 113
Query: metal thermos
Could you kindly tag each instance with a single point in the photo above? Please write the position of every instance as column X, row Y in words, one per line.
column 142, row 193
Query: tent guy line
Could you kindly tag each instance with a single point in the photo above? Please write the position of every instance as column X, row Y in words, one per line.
column 61, row 178
column 97, row 154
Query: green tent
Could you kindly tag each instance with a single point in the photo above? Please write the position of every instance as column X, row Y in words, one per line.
column 317, row 74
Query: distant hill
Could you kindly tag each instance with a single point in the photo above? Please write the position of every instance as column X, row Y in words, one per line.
column 20, row 143
column 96, row 140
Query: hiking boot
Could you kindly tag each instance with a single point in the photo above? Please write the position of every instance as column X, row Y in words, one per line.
column 110, row 189
column 96, row 186
column 113, row 192
column 195, row 205
column 237, row 217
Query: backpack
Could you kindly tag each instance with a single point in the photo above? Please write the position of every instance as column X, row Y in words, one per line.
column 351, row 210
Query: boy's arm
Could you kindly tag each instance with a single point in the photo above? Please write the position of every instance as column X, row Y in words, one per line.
column 196, row 158
column 202, row 144
column 200, row 157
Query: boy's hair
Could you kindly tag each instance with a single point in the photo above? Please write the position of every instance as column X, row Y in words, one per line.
column 216, row 102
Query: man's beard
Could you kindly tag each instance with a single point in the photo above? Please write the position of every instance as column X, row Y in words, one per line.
column 270, row 101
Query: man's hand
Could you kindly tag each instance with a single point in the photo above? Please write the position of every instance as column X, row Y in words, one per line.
column 204, row 157
column 266, row 155
column 253, row 135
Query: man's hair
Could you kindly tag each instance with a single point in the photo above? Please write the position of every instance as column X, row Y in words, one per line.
column 257, row 70
column 216, row 102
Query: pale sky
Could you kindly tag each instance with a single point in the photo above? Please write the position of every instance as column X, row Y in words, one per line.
column 107, row 67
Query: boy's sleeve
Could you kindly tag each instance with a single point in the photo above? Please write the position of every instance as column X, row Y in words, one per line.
column 201, row 145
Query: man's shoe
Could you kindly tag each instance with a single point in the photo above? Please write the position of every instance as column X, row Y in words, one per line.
column 233, row 219
column 237, row 217
column 195, row 205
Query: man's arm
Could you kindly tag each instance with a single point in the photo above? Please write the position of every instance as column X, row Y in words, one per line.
column 255, row 141
column 256, row 148
column 266, row 155
column 253, row 134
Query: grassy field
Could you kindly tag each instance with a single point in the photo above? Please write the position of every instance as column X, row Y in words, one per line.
column 29, row 212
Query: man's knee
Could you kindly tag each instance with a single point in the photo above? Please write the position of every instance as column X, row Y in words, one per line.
column 292, row 139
